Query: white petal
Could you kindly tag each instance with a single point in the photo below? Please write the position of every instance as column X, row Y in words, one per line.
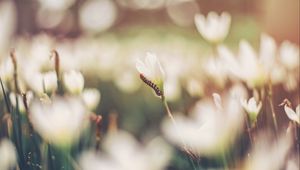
column 244, row 103
column 225, row 20
column 267, row 50
column 247, row 55
column 217, row 100
column 291, row 114
column 252, row 104
column 200, row 23
column 229, row 59
column 141, row 67
column 259, row 106
column 150, row 61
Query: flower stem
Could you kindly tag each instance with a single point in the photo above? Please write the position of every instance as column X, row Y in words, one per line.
column 270, row 95
column 249, row 130
column 224, row 159
column 186, row 150
column 296, row 133
column 169, row 112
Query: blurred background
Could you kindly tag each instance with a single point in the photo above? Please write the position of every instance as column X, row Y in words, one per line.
column 102, row 39
column 73, row 18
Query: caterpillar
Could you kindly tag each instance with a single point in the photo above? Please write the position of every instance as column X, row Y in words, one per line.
column 156, row 89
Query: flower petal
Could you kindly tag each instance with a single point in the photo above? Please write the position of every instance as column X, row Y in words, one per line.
column 141, row 67
column 291, row 114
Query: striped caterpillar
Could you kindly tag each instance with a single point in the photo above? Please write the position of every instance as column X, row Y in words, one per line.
column 156, row 89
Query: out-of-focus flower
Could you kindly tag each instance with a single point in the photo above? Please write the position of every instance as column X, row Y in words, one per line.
column 40, row 82
column 182, row 12
column 145, row 4
column 293, row 115
column 292, row 164
column 56, row 4
column 267, row 154
column 8, row 159
column 289, row 55
column 47, row 18
column 59, row 121
column 91, row 15
column 248, row 66
column 12, row 98
column 216, row 71
column 278, row 74
column 194, row 88
column 127, row 81
column 252, row 107
column 7, row 26
column 124, row 152
column 6, row 70
column 50, row 81
column 91, row 98
column 213, row 28
column 172, row 89
column 238, row 92
column 151, row 73
column 73, row 81
column 212, row 127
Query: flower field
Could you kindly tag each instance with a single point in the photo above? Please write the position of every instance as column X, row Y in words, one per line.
column 149, row 85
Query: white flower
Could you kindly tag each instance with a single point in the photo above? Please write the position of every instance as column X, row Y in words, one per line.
column 91, row 98
column 8, row 158
column 56, row 4
column 8, row 17
column 216, row 71
column 73, row 81
column 249, row 66
column 89, row 19
column 293, row 116
column 6, row 70
column 289, row 55
column 151, row 70
column 252, row 107
column 213, row 28
column 12, row 98
column 194, row 87
column 127, row 81
column 124, row 152
column 213, row 125
column 172, row 89
column 60, row 121
column 268, row 153
column 49, row 81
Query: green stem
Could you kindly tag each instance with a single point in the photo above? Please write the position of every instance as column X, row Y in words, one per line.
column 296, row 133
column 169, row 112
column 224, row 159
column 175, row 125
column 249, row 130
column 215, row 50
column 270, row 95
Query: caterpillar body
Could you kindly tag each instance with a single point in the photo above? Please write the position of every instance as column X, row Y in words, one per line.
column 156, row 89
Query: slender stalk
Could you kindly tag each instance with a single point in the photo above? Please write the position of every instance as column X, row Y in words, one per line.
column 296, row 133
column 215, row 50
column 5, row 97
column 169, row 112
column 44, row 148
column 270, row 95
column 191, row 155
column 249, row 131
column 55, row 55
column 14, row 60
column 73, row 162
column 224, row 159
